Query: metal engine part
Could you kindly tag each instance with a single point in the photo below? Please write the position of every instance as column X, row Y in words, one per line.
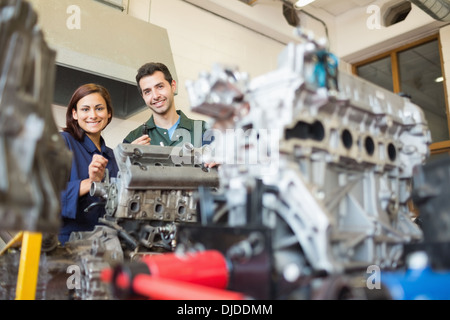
column 154, row 191
column 34, row 161
column 322, row 159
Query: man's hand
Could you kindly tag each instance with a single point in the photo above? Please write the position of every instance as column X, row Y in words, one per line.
column 211, row 164
column 142, row 140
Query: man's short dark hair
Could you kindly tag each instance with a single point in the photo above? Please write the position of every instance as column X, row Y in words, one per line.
column 150, row 68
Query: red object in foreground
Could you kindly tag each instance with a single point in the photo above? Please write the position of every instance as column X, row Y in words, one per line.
column 169, row 289
column 200, row 275
column 207, row 268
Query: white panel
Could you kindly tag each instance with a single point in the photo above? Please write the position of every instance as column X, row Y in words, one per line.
column 100, row 39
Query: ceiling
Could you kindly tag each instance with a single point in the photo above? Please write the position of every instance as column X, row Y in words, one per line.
column 332, row 7
column 267, row 16
column 338, row 7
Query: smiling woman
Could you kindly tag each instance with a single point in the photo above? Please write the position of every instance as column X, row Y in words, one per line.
column 92, row 115
column 88, row 113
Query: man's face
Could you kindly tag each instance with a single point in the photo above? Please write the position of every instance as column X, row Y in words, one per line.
column 157, row 92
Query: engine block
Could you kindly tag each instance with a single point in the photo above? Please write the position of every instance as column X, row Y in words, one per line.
column 322, row 158
column 34, row 161
column 154, row 191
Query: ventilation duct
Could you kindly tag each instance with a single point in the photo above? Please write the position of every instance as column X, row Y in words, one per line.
column 96, row 42
column 396, row 12
column 437, row 9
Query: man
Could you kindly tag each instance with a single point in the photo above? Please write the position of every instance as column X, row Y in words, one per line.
column 167, row 126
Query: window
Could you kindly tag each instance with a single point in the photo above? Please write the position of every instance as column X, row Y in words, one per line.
column 415, row 71
column 125, row 97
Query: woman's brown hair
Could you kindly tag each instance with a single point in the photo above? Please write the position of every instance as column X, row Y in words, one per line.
column 72, row 126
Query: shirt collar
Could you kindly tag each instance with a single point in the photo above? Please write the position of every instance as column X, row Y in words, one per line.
column 184, row 121
column 91, row 147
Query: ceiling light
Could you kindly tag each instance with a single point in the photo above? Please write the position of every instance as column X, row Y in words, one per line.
column 439, row 79
column 302, row 3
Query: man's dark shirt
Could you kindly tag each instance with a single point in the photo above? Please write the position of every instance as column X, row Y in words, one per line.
column 188, row 130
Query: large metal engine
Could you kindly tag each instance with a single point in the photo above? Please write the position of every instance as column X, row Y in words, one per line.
column 34, row 163
column 154, row 191
column 153, row 194
column 313, row 188
column 319, row 163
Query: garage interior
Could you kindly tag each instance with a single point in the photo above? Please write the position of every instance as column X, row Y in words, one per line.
column 332, row 185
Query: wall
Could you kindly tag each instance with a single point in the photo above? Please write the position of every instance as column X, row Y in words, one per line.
column 360, row 36
column 199, row 39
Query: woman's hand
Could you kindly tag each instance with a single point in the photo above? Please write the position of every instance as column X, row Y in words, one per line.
column 97, row 168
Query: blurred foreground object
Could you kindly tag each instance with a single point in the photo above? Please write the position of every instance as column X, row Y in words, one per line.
column 34, row 161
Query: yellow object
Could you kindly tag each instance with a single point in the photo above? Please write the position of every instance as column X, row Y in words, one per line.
column 29, row 266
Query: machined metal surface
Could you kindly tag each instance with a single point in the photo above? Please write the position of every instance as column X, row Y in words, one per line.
column 34, row 161
column 324, row 159
column 154, row 191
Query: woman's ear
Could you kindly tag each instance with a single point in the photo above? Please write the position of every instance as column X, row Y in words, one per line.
column 74, row 114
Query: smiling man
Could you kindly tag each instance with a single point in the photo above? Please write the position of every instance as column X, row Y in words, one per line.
column 167, row 126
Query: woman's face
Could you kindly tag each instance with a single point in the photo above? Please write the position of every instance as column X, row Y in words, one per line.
column 92, row 113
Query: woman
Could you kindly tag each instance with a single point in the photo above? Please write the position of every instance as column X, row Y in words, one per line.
column 88, row 113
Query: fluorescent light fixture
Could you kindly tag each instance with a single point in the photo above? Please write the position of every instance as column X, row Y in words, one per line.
column 302, row 3
column 439, row 79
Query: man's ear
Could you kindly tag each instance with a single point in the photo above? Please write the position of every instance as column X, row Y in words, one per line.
column 174, row 86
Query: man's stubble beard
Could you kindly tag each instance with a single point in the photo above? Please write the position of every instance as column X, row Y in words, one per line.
column 165, row 110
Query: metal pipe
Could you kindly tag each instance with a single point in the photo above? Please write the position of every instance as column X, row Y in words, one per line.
column 121, row 8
